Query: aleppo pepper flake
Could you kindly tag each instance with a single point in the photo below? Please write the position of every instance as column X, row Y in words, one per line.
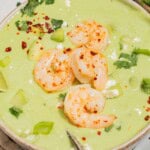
column 147, row 118
column 8, row 49
column 24, row 45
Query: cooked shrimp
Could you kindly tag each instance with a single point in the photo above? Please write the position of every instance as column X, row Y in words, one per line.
column 90, row 34
column 90, row 66
column 83, row 105
column 53, row 71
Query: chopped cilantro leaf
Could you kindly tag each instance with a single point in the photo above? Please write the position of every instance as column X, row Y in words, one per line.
column 30, row 7
column 147, row 2
column 126, row 61
column 22, row 25
column 145, row 85
column 56, row 24
column 48, row 2
column 62, row 96
column 142, row 51
column 15, row 111
column 109, row 128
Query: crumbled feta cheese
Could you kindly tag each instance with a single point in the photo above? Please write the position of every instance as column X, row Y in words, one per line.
column 113, row 56
column 110, row 83
column 136, row 39
column 68, row 3
column 87, row 147
column 139, row 112
column 30, row 81
column 65, row 24
column 60, row 46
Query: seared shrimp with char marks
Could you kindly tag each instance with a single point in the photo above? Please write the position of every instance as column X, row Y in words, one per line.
column 90, row 34
column 53, row 71
column 90, row 66
column 83, row 105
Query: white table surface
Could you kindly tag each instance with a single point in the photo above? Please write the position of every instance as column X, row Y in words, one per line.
column 6, row 6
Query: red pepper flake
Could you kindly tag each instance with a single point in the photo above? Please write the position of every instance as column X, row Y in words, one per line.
column 60, row 107
column 41, row 48
column 148, row 109
column 46, row 18
column 24, row 45
column 148, row 100
column 106, row 121
column 27, row 52
column 47, row 25
column 8, row 49
column 35, row 14
column 17, row 33
column 99, row 40
column 50, row 30
column 93, row 53
column 99, row 133
column 29, row 22
column 29, row 29
column 84, row 138
column 82, row 56
column 40, row 38
column 95, row 78
column 147, row 118
column 95, row 112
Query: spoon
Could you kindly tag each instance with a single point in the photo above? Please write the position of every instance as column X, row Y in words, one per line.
column 75, row 142
column 142, row 4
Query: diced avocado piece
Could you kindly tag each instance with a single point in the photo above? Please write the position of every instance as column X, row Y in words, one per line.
column 19, row 99
column 38, row 31
column 5, row 61
column 58, row 35
column 35, row 50
column 3, row 84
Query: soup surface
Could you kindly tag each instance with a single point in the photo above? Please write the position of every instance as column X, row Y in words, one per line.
column 128, row 29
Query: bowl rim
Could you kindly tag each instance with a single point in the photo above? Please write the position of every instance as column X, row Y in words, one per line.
column 125, row 146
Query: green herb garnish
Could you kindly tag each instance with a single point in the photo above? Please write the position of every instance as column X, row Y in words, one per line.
column 145, row 85
column 29, row 9
column 22, row 25
column 43, row 128
column 48, row 2
column 142, row 51
column 62, row 96
column 147, row 2
column 56, row 24
column 109, row 128
column 15, row 111
column 126, row 61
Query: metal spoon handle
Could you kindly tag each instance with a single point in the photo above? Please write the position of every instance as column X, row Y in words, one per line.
column 142, row 4
column 75, row 142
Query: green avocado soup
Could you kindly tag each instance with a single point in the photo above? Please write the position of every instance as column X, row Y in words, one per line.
column 128, row 29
